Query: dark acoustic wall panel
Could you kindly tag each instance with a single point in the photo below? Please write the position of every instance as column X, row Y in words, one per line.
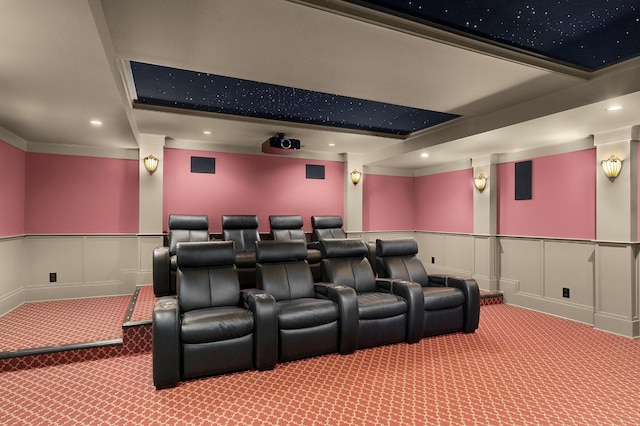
column 315, row 171
column 203, row 165
column 523, row 180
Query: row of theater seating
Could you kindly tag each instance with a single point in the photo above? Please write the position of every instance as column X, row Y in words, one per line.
column 213, row 326
column 243, row 231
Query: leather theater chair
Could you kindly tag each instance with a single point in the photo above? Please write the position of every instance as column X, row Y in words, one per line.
column 451, row 303
column 243, row 231
column 182, row 228
column 325, row 227
column 289, row 227
column 211, row 326
column 388, row 311
column 313, row 319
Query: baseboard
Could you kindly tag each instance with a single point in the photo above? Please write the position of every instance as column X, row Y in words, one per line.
column 12, row 300
column 616, row 325
column 571, row 311
column 76, row 291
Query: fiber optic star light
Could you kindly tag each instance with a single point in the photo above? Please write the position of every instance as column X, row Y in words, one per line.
column 191, row 90
column 587, row 34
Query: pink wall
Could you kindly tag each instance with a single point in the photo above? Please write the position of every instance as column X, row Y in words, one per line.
column 250, row 184
column 73, row 194
column 388, row 203
column 444, row 202
column 12, row 174
column 563, row 203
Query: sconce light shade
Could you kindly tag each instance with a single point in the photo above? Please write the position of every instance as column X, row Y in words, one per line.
column 355, row 176
column 151, row 163
column 480, row 182
column 611, row 166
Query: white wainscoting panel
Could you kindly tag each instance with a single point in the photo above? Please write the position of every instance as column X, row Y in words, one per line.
column 617, row 289
column 86, row 265
column 12, row 278
column 520, row 260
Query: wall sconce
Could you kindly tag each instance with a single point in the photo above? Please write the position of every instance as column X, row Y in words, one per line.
column 151, row 163
column 355, row 176
column 611, row 167
column 480, row 182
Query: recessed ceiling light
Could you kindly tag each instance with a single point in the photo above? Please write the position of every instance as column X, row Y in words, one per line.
column 424, row 155
column 332, row 144
column 207, row 132
column 96, row 122
column 614, row 108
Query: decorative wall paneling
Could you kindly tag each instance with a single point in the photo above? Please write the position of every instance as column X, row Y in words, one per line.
column 12, row 278
column 85, row 265
column 602, row 278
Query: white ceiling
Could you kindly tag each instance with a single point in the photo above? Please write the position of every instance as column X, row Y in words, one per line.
column 65, row 64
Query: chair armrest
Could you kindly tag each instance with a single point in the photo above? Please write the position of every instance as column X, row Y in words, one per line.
column 469, row 287
column 166, row 342
column 385, row 285
column 438, row 280
column 161, row 271
column 412, row 293
column 313, row 245
column 347, row 300
column 265, row 337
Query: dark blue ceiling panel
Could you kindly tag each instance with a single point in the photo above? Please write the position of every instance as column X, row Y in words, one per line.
column 587, row 34
column 191, row 90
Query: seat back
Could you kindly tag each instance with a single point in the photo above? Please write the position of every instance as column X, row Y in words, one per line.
column 288, row 227
column 187, row 228
column 326, row 227
column 345, row 262
column 207, row 275
column 282, row 269
column 242, row 230
column 397, row 259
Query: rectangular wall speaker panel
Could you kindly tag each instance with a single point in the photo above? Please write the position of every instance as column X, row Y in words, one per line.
column 203, row 165
column 523, row 180
column 315, row 171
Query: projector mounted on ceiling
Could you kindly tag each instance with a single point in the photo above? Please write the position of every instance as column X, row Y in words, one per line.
column 278, row 144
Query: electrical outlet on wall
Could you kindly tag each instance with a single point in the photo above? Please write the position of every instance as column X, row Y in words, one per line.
column 53, row 277
column 565, row 292
column 433, row 259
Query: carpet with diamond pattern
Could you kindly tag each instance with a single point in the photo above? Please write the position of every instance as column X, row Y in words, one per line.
column 520, row 367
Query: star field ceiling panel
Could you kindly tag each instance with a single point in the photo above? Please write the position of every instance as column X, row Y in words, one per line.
column 170, row 87
column 588, row 34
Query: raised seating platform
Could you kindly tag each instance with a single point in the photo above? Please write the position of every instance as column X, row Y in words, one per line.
column 133, row 331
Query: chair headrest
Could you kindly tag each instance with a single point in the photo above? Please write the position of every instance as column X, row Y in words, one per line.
column 343, row 247
column 397, row 247
column 286, row 222
column 187, row 221
column 323, row 222
column 205, row 254
column 239, row 222
column 280, row 251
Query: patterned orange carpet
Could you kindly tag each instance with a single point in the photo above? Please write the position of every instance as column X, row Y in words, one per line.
column 143, row 302
column 42, row 324
column 72, row 321
column 519, row 368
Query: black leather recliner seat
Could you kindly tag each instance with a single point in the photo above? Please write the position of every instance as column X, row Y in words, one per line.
column 388, row 311
column 327, row 227
column 243, row 231
column 313, row 319
column 289, row 227
column 211, row 326
column 451, row 303
column 182, row 228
